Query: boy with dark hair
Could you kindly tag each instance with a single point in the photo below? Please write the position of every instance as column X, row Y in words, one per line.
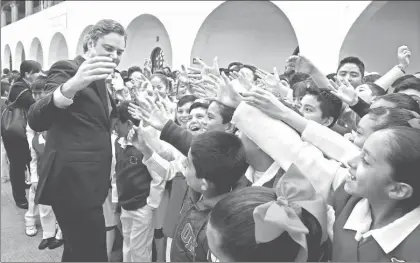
column 321, row 106
column 133, row 69
column 351, row 69
column 215, row 163
column 410, row 86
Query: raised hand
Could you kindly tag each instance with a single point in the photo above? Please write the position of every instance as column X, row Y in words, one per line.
column 344, row 91
column 207, row 70
column 137, row 138
column 150, row 112
column 93, row 69
column 273, row 83
column 266, row 102
column 226, row 92
column 404, row 56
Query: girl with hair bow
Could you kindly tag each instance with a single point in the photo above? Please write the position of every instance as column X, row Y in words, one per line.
column 285, row 224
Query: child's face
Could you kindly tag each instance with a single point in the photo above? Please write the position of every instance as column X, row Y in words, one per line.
column 197, row 120
column 183, row 115
column 37, row 95
column 198, row 185
column 214, row 121
column 370, row 172
column 364, row 92
column 365, row 128
column 311, row 110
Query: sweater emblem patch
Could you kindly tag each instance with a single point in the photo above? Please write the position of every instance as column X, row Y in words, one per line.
column 189, row 238
column 133, row 160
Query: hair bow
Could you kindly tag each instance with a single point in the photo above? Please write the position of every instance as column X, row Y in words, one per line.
column 294, row 191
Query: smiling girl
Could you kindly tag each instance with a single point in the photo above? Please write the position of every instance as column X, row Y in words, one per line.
column 378, row 206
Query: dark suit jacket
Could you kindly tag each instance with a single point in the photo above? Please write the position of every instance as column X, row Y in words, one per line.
column 76, row 165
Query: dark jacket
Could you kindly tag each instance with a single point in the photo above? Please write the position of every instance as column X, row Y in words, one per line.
column 347, row 249
column 76, row 165
column 133, row 178
column 25, row 100
column 176, row 136
column 190, row 243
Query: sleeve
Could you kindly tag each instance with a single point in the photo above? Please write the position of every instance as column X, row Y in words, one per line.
column 163, row 168
column 361, row 108
column 43, row 113
column 329, row 142
column 390, row 77
column 157, row 189
column 30, row 134
column 176, row 136
column 60, row 101
column 25, row 100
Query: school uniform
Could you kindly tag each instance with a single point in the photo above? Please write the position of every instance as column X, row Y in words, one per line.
column 268, row 178
column 355, row 242
column 50, row 227
column 139, row 193
column 190, row 243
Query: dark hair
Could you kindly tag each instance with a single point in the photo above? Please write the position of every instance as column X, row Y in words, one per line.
column 296, row 52
column 198, row 104
column 133, row 69
column 404, row 156
column 29, row 66
column 225, row 111
column 253, row 69
column 6, row 71
column 219, row 157
column 400, row 79
column 331, row 76
column 235, row 64
column 124, row 74
column 123, row 113
column 410, row 83
column 353, row 60
column 298, row 77
column 330, row 104
column 402, row 101
column 300, row 88
column 376, row 89
column 232, row 218
column 39, row 84
column 185, row 99
column 389, row 117
column 371, row 78
column 103, row 28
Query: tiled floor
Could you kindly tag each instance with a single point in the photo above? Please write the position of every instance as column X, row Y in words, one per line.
column 16, row 246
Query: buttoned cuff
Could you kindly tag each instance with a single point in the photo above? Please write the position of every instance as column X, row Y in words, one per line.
column 61, row 101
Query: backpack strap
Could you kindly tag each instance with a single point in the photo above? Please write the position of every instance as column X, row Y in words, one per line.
column 13, row 103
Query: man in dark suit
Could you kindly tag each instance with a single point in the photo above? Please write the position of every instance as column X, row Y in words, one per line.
column 75, row 169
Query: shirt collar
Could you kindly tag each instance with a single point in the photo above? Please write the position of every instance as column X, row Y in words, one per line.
column 124, row 143
column 41, row 139
column 387, row 237
column 267, row 176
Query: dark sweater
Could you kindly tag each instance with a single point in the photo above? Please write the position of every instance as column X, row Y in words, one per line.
column 361, row 108
column 26, row 100
column 347, row 249
column 176, row 136
column 133, row 178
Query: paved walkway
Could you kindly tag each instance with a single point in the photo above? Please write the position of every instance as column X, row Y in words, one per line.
column 16, row 246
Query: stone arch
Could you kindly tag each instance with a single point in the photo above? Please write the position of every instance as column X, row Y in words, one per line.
column 7, row 58
column 145, row 33
column 238, row 30
column 20, row 55
column 36, row 51
column 58, row 49
column 378, row 32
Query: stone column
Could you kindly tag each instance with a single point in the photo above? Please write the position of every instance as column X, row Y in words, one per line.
column 29, row 8
column 3, row 18
column 15, row 12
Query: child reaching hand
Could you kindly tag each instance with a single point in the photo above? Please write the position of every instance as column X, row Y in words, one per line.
column 216, row 161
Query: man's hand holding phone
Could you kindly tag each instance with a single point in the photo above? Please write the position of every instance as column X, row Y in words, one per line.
column 93, row 69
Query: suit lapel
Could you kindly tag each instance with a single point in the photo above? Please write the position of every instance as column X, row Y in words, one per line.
column 101, row 89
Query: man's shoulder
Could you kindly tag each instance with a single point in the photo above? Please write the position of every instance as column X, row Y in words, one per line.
column 64, row 65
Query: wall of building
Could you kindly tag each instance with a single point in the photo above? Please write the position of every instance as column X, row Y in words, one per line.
column 260, row 33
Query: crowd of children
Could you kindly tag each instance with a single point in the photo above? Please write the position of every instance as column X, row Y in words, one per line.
column 239, row 164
